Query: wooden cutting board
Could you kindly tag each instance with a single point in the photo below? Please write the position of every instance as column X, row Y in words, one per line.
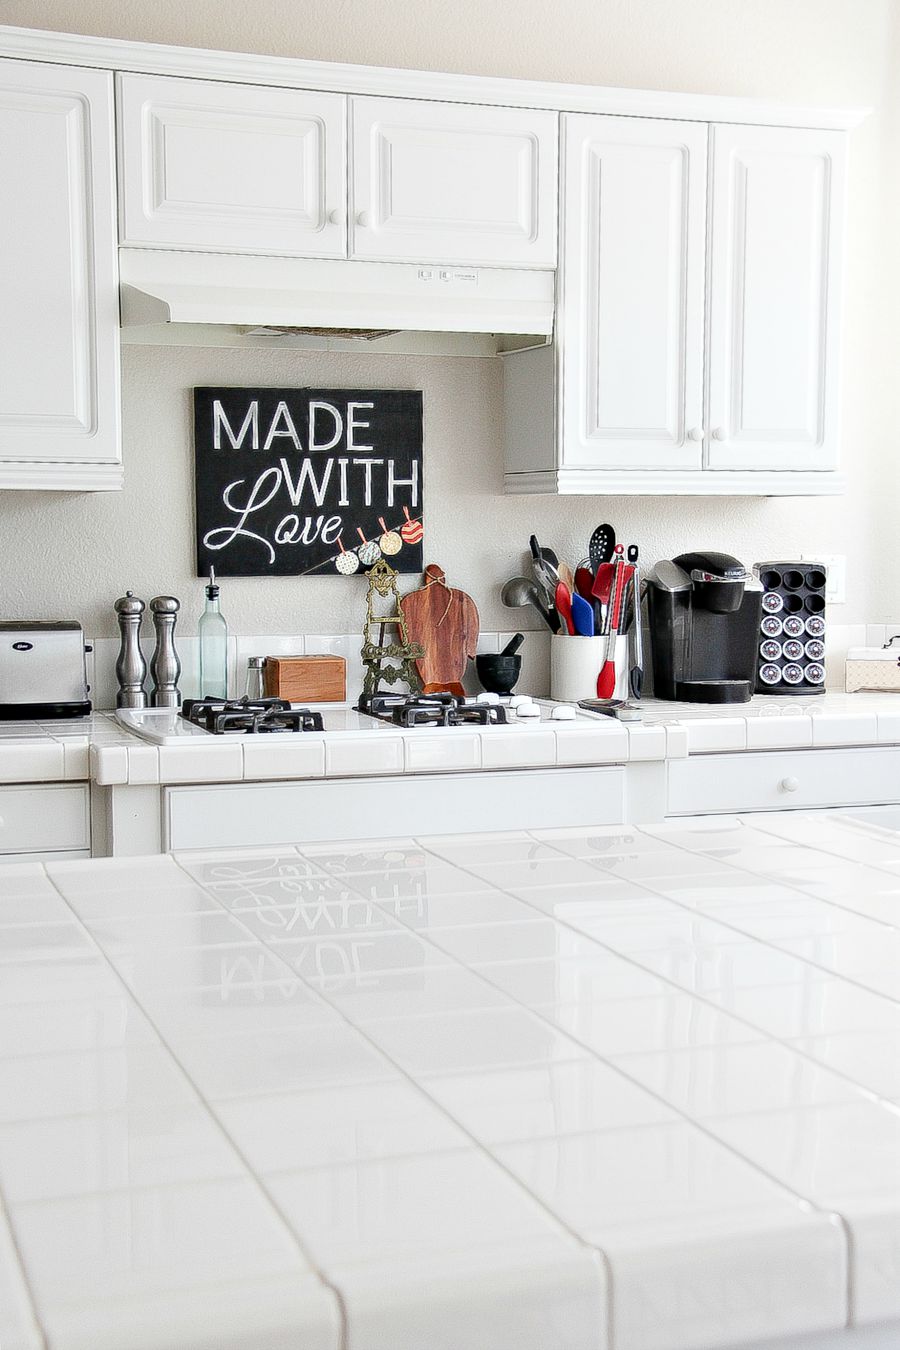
column 446, row 623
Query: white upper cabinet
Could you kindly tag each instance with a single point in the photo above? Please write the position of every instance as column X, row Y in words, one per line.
column 698, row 331
column 633, row 284
column 774, row 297
column 59, row 350
column 232, row 167
column 453, row 183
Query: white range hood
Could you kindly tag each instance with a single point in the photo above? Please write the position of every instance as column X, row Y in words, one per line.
column 229, row 299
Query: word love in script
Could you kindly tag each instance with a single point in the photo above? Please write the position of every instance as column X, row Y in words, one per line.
column 250, row 504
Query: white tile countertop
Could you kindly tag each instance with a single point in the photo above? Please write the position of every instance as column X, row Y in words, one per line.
column 608, row 1089
column 781, row 721
column 56, row 750
column 99, row 748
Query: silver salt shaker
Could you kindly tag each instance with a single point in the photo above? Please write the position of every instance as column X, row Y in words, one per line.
column 165, row 666
column 131, row 668
column 255, row 686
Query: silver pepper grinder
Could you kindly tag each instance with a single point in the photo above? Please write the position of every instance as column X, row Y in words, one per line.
column 165, row 666
column 131, row 668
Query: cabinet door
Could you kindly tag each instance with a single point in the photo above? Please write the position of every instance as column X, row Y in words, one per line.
column 232, row 167
column 632, row 293
column 774, row 297
column 59, row 352
column 452, row 183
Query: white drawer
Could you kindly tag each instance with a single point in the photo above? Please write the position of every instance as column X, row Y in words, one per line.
column 774, row 781
column 296, row 813
column 46, row 818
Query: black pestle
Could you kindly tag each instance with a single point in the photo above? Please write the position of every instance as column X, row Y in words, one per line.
column 513, row 645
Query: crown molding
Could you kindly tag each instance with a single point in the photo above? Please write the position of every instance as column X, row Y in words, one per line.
column 33, row 44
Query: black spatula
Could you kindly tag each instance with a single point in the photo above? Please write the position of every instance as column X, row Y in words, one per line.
column 602, row 546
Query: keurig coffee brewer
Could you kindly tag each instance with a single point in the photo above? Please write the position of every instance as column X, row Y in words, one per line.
column 704, row 613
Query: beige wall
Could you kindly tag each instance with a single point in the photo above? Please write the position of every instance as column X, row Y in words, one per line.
column 74, row 555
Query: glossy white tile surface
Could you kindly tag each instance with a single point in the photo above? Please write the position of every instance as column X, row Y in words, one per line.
column 530, row 1295
column 731, row 1080
column 19, row 1328
column 349, row 1123
column 129, row 1077
column 146, row 1146
column 292, row 757
column 420, row 1066
column 542, row 1101
column 684, row 1224
column 125, row 1244
column 409, row 1207
column 489, row 1039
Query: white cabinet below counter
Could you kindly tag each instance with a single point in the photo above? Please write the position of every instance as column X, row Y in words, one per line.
column 771, row 780
column 43, row 819
column 231, row 815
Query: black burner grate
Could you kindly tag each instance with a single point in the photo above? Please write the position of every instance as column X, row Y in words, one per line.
column 249, row 717
column 432, row 710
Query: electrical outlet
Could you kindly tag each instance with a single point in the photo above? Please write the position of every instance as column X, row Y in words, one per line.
column 835, row 565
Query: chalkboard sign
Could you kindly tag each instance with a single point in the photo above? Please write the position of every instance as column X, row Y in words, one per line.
column 292, row 482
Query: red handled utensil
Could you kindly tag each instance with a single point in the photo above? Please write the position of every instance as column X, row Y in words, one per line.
column 584, row 582
column 562, row 598
column 606, row 680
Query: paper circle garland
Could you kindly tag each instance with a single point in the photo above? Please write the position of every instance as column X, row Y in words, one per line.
column 390, row 541
column 346, row 563
column 412, row 531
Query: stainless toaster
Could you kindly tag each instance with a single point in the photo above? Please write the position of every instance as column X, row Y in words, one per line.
column 42, row 671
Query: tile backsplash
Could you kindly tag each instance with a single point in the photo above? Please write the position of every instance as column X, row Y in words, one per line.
column 535, row 678
column 535, row 652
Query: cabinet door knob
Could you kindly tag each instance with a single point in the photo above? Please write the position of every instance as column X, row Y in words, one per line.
column 789, row 784
column 695, row 434
column 720, row 434
column 334, row 217
column 362, row 219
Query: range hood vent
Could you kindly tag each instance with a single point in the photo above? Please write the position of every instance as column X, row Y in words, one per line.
column 228, row 299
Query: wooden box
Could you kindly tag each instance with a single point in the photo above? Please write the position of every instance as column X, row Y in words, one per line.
column 306, row 679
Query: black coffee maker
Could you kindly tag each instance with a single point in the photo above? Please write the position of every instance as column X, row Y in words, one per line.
column 704, row 613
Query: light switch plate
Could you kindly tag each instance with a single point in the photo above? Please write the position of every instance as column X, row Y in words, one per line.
column 835, row 565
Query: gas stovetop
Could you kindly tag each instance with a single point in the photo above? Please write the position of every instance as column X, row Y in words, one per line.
column 433, row 710
column 398, row 715
column 249, row 717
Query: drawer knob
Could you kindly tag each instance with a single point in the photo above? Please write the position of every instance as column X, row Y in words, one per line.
column 720, row 434
column 362, row 219
column 695, row 434
column 789, row 784
column 334, row 217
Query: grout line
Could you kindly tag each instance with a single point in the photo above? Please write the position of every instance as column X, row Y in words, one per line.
column 481, row 1149
column 777, row 1182
column 210, row 1109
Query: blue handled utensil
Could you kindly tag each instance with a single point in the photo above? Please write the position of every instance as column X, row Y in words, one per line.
column 582, row 616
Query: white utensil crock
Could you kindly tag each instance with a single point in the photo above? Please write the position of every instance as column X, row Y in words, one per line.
column 575, row 663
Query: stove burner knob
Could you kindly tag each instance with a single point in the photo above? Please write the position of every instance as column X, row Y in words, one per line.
column 488, row 697
column 519, row 700
column 563, row 712
column 528, row 710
